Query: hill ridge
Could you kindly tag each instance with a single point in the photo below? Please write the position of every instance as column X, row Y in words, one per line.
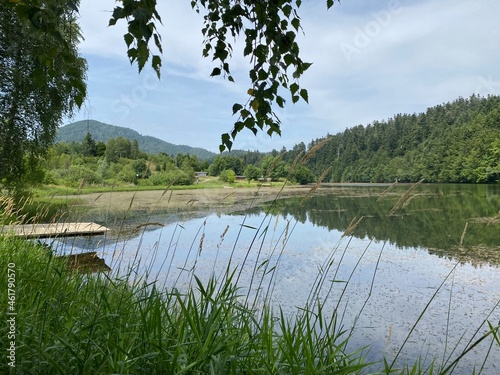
column 76, row 131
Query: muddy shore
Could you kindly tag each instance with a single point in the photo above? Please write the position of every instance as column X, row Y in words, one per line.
column 213, row 198
column 216, row 199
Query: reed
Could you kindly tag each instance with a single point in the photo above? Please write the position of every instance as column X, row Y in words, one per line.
column 83, row 324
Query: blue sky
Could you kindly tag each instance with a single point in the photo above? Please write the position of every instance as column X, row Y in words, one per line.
column 371, row 60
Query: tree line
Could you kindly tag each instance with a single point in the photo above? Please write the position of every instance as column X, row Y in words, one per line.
column 120, row 161
column 455, row 142
column 451, row 143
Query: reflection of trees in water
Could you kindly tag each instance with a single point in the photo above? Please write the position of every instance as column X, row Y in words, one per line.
column 475, row 255
column 434, row 217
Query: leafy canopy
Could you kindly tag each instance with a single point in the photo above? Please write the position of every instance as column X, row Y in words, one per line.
column 268, row 30
column 42, row 79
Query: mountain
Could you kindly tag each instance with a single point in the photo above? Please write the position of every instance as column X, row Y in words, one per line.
column 75, row 132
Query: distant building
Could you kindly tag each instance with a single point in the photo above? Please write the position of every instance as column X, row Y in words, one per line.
column 200, row 174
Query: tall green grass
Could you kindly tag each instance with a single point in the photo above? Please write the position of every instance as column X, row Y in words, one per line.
column 74, row 323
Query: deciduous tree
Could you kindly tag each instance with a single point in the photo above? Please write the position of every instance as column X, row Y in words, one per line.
column 42, row 79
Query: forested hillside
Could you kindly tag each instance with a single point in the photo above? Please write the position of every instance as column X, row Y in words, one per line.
column 452, row 142
column 77, row 131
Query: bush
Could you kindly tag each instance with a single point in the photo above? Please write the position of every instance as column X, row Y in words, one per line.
column 227, row 175
column 172, row 177
column 302, row 175
column 252, row 173
column 76, row 174
column 128, row 174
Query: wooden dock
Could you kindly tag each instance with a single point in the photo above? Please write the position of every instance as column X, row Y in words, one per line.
column 54, row 230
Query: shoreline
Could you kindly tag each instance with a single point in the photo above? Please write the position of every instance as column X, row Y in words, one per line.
column 188, row 200
column 226, row 197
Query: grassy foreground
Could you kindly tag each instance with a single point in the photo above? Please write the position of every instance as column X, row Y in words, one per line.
column 72, row 323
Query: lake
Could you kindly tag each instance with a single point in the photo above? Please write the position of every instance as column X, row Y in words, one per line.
column 408, row 273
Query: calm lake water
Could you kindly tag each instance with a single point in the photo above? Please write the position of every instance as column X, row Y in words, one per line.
column 437, row 253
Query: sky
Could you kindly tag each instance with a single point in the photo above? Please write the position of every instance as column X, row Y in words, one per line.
column 371, row 60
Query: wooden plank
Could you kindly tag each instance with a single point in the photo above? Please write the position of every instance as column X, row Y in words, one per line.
column 54, row 230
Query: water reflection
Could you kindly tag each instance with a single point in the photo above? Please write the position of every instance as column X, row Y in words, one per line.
column 459, row 222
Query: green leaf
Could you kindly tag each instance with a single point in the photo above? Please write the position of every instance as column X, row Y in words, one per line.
column 142, row 54
column 304, row 95
column 236, row 107
column 215, row 72
column 245, row 113
column 248, row 49
column 287, row 10
column 238, row 126
column 206, row 50
column 226, row 142
column 274, row 70
column 79, row 100
column 118, row 13
column 156, row 64
column 255, row 105
column 132, row 54
column 288, row 59
column 249, row 123
column 73, row 5
column 305, row 66
column 157, row 38
column 294, row 87
column 280, row 101
column 128, row 39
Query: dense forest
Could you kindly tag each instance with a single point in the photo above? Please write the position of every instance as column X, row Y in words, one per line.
column 452, row 142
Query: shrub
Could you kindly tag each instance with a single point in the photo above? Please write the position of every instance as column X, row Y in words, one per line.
column 302, row 175
column 76, row 174
column 227, row 175
column 172, row 177
column 252, row 173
